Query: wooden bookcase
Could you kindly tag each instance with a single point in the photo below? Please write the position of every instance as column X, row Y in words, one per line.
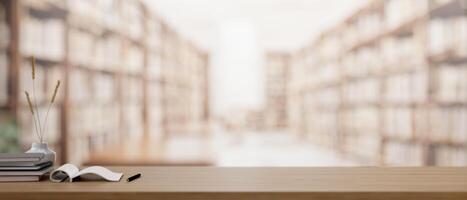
column 379, row 88
column 276, row 78
column 111, row 57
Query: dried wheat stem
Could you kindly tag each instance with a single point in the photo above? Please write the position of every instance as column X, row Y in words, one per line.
column 32, row 112
column 33, row 64
column 50, row 105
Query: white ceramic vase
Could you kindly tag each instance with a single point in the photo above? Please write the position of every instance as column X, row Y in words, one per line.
column 42, row 148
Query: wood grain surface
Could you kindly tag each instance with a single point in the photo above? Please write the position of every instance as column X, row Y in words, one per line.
column 257, row 183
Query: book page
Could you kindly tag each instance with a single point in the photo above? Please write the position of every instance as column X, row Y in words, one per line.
column 101, row 172
column 65, row 171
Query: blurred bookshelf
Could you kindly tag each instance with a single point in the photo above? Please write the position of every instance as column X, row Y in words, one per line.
column 125, row 73
column 387, row 85
column 276, row 76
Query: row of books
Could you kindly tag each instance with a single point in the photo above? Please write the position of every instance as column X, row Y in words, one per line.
column 328, row 73
column 398, row 12
column 106, row 84
column 405, row 122
column 362, row 62
column 154, row 66
column 132, row 90
column 154, row 110
column 154, row 93
column 133, row 121
column 448, row 156
column 323, row 123
column 110, row 53
column 276, row 66
column 361, row 91
column 120, row 16
column 448, row 34
column 385, row 56
column 406, row 88
column 155, row 120
column 437, row 124
column 81, row 44
column 133, row 19
column 327, row 98
column 363, row 146
column 92, row 133
column 133, row 59
column 398, row 122
column 369, row 25
column 154, row 33
column 90, row 122
column 448, row 124
column 409, row 49
column 352, row 120
column 372, row 22
column 452, row 83
column 37, row 35
column 81, row 85
column 403, row 154
column 397, row 153
column 95, row 87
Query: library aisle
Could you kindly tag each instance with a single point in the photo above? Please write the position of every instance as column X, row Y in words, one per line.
column 276, row 149
column 248, row 149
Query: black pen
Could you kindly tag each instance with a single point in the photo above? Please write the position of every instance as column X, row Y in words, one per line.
column 132, row 178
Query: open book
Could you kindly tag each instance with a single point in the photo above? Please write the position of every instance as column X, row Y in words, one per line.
column 69, row 171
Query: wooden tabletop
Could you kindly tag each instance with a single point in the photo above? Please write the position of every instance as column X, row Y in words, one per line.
column 257, row 183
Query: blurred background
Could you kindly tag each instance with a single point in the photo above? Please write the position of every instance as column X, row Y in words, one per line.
column 239, row 83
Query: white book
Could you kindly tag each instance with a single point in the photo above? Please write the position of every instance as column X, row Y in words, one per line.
column 69, row 171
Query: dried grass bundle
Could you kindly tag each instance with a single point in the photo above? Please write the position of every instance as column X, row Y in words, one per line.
column 35, row 114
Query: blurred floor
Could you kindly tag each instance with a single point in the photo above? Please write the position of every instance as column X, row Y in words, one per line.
column 175, row 151
column 276, row 149
column 223, row 149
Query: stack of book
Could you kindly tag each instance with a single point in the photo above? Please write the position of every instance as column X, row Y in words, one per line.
column 24, row 166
